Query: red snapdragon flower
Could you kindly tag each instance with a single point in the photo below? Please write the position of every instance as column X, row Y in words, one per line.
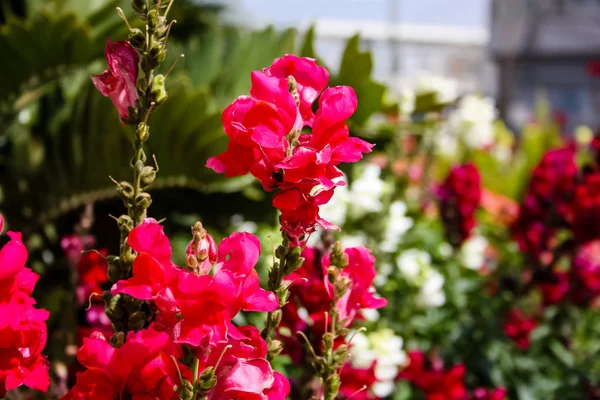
column 460, row 195
column 119, row 81
column 92, row 273
column 242, row 370
column 518, row 328
column 586, row 272
column 435, row 382
column 142, row 368
column 360, row 272
column 311, row 297
column 481, row 393
column 22, row 326
column 555, row 288
column 357, row 381
column 547, row 203
column 195, row 309
column 586, row 209
column 263, row 126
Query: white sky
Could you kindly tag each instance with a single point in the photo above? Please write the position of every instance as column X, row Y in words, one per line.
column 473, row 13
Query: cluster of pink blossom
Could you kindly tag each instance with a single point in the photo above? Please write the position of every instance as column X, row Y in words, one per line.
column 22, row 326
column 460, row 195
column 266, row 139
column 311, row 301
column 192, row 312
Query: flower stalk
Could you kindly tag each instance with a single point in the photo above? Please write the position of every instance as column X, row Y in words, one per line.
column 136, row 98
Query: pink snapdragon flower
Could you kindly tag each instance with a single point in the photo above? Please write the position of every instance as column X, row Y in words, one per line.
column 119, row 81
column 22, row 326
column 262, row 127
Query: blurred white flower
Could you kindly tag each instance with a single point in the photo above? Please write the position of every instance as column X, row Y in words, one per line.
column 239, row 224
column 407, row 101
column 384, row 348
column 431, row 293
column 355, row 240
column 365, row 192
column 472, row 252
column 446, row 90
column 383, row 271
column 397, row 225
column 473, row 121
column 412, row 262
column 445, row 249
column 370, row 314
column 415, row 266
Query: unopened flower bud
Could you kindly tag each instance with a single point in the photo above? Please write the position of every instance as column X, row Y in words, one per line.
column 158, row 93
column 125, row 190
column 274, row 347
column 137, row 38
column 340, row 355
column 207, row 380
column 125, row 223
column 203, row 248
column 280, row 252
column 136, row 320
column 139, row 6
column 148, row 175
column 186, row 391
column 276, row 316
column 283, row 294
column 143, row 200
column 143, row 132
column 127, row 257
column 114, row 271
column 152, row 20
column 117, row 340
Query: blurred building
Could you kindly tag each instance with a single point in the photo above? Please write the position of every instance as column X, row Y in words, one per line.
column 551, row 48
column 404, row 51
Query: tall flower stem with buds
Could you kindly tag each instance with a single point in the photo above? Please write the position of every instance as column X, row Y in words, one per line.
column 327, row 365
column 135, row 98
column 289, row 260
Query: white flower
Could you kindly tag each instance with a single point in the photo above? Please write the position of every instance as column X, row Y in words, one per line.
column 397, row 225
column 366, row 191
column 431, row 293
column 446, row 90
column 336, row 209
column 356, row 240
column 239, row 224
column 383, row 271
column 412, row 262
column 472, row 252
column 407, row 101
column 386, row 349
column 473, row 121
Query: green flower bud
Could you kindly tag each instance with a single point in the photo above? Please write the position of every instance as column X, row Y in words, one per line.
column 143, row 200
column 114, row 269
column 148, row 175
column 143, row 132
column 207, row 380
column 139, row 6
column 117, row 340
column 125, row 224
column 186, row 391
column 152, row 20
column 136, row 320
column 158, row 93
column 137, row 38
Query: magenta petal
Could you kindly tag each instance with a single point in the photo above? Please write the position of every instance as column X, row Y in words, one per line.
column 13, row 256
column 150, row 238
column 239, row 252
